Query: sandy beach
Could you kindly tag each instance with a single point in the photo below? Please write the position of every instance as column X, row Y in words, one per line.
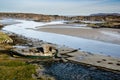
column 103, row 34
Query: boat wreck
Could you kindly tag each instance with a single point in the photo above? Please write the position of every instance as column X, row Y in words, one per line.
column 44, row 51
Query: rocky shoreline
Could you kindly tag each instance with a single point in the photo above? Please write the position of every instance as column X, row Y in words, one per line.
column 66, row 58
column 69, row 54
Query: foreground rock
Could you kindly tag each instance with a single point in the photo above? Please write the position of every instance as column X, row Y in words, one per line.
column 89, row 59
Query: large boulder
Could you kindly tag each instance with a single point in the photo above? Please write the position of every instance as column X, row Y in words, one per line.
column 49, row 49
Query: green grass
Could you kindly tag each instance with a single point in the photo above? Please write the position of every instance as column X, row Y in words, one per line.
column 12, row 69
column 15, row 68
column 3, row 36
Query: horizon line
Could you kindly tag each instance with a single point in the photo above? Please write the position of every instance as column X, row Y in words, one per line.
column 58, row 14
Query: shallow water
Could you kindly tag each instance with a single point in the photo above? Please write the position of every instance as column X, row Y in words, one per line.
column 7, row 21
column 23, row 28
column 112, row 34
column 70, row 71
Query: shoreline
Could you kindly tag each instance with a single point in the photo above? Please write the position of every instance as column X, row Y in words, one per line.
column 69, row 62
column 83, row 55
column 28, row 27
column 80, row 57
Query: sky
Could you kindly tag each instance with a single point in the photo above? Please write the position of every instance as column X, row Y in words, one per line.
column 60, row 7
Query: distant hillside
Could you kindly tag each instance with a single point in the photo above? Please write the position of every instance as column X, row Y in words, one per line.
column 46, row 18
column 106, row 14
column 31, row 16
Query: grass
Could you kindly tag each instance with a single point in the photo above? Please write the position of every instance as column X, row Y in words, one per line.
column 13, row 69
column 104, row 25
column 4, row 37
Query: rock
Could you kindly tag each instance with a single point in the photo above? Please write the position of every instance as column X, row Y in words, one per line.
column 59, row 55
column 46, row 48
column 93, row 68
column 34, row 76
column 30, row 44
column 64, row 60
column 49, row 49
column 1, row 25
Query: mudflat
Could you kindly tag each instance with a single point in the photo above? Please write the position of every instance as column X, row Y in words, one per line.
column 102, row 34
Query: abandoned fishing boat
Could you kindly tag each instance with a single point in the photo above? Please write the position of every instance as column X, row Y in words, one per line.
column 45, row 51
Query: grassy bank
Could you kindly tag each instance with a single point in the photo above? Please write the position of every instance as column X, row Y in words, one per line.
column 4, row 38
column 13, row 69
column 5, row 41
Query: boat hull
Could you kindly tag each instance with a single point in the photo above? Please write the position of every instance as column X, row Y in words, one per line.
column 12, row 53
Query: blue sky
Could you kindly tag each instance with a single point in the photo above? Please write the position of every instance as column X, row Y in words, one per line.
column 61, row 7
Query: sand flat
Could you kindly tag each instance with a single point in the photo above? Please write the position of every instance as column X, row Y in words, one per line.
column 94, row 34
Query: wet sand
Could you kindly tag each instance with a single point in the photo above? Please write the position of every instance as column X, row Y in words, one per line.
column 103, row 34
